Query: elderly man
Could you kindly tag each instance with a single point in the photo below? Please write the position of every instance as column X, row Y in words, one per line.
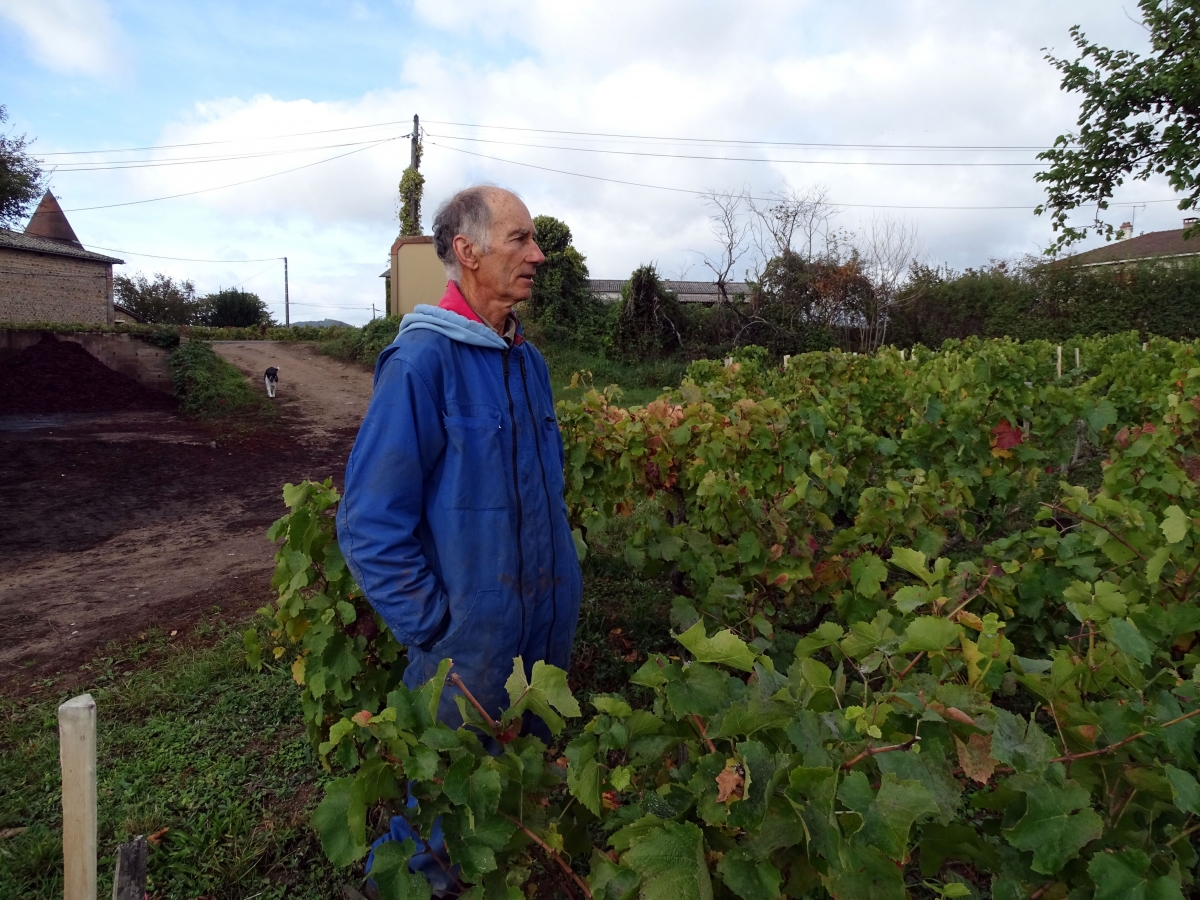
column 453, row 520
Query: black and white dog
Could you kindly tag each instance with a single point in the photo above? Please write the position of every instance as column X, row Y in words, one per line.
column 272, row 379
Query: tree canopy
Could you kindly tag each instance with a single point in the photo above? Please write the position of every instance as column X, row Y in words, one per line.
column 231, row 308
column 561, row 297
column 1140, row 116
column 21, row 178
column 161, row 300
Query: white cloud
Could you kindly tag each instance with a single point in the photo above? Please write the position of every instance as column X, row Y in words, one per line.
column 914, row 72
column 66, row 35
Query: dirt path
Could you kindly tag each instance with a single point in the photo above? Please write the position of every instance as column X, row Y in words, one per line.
column 332, row 394
column 116, row 522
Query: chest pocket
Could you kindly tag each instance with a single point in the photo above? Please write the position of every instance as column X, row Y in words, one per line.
column 473, row 471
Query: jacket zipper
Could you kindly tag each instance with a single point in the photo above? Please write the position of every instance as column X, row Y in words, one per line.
column 537, row 444
column 517, row 488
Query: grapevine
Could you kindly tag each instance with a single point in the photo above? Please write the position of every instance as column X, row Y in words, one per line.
column 937, row 637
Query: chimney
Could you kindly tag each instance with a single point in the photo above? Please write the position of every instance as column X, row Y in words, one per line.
column 1190, row 221
column 1125, row 231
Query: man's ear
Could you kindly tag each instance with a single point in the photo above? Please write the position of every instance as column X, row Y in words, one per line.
column 465, row 252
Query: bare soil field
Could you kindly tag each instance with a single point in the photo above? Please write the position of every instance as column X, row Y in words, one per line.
column 136, row 517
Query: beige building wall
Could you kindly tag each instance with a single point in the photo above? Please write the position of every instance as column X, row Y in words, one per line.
column 38, row 287
column 417, row 274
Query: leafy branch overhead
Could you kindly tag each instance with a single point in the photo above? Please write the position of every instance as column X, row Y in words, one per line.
column 1137, row 119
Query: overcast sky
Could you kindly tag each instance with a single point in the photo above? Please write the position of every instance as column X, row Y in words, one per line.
column 257, row 80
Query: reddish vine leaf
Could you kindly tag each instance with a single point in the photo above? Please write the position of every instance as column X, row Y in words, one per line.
column 1005, row 436
column 975, row 757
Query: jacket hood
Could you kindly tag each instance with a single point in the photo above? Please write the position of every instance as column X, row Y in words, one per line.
column 452, row 325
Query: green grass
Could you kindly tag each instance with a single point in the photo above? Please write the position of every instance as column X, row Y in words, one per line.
column 208, row 387
column 191, row 740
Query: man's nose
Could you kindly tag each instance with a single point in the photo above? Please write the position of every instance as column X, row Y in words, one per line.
column 536, row 257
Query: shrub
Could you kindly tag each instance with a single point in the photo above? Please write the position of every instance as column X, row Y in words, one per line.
column 207, row 386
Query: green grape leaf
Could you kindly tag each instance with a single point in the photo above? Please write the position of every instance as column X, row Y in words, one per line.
column 1156, row 564
column 1126, row 875
column 612, row 705
column 473, row 843
column 930, row 634
column 1102, row 415
column 724, row 647
column 1126, row 636
column 868, row 572
column 910, row 598
column 610, row 881
column 864, row 872
column 669, row 859
column 1020, row 744
column 340, row 821
column 897, row 805
column 546, row 692
column 389, row 871
column 1185, row 789
column 378, row 779
column 1174, row 524
column 1058, row 821
column 583, row 772
column 912, row 561
column 749, row 878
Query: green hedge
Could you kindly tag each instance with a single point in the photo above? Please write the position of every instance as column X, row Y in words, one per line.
column 1049, row 302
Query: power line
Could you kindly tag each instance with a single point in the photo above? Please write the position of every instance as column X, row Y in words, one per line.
column 234, row 184
column 270, row 137
column 114, row 165
column 185, row 258
column 758, row 159
column 256, row 274
column 645, row 137
column 695, row 193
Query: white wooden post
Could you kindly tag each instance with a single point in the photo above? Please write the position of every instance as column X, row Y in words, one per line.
column 728, row 361
column 902, row 356
column 77, row 754
column 1060, row 360
column 786, row 359
column 1077, row 357
column 1145, row 346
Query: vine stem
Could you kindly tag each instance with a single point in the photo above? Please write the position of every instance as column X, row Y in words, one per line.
column 712, row 748
column 875, row 751
column 458, row 683
column 587, row 892
column 1183, row 834
column 916, row 659
column 1071, row 757
column 978, row 592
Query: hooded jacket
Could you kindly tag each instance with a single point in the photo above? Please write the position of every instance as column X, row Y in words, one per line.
column 452, row 520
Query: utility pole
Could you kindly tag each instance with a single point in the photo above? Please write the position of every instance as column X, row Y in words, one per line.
column 415, row 153
column 372, row 312
column 287, row 309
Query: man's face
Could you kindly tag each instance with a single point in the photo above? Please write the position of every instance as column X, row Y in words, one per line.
column 506, row 273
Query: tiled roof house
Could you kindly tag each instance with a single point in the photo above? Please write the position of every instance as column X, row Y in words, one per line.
column 1155, row 246
column 46, row 274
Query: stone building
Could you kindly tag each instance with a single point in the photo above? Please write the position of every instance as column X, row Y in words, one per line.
column 46, row 275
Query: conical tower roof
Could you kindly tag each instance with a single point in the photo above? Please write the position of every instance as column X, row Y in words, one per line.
column 50, row 222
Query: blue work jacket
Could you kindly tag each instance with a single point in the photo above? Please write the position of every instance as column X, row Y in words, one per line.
column 452, row 520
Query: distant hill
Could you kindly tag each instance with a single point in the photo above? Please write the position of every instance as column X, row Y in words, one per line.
column 322, row 323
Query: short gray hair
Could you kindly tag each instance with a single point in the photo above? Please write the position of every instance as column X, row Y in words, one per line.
column 466, row 213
